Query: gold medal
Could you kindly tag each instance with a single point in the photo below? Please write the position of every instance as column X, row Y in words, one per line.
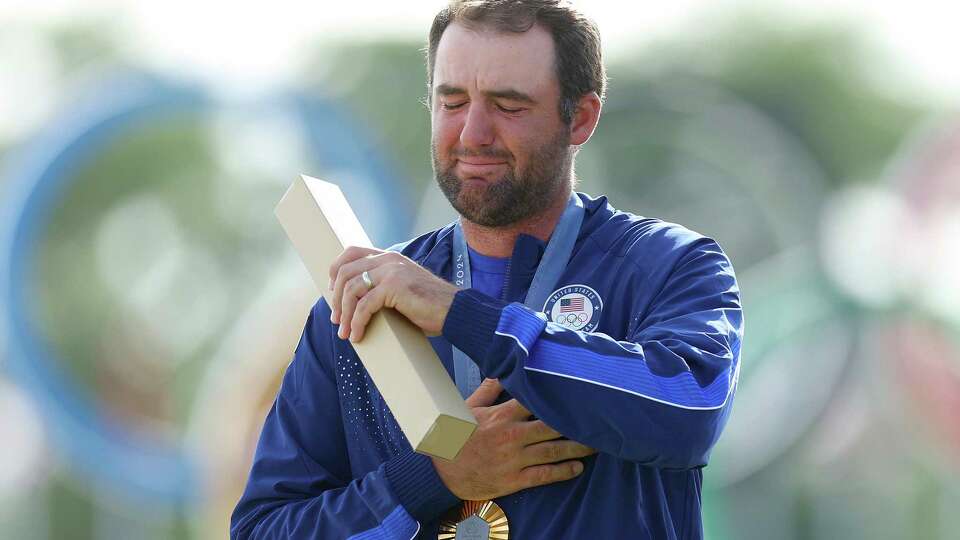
column 475, row 520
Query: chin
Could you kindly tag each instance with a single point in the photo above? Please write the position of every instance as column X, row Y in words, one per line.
column 473, row 197
column 477, row 184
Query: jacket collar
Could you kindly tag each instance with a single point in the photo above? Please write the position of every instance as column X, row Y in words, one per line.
column 527, row 251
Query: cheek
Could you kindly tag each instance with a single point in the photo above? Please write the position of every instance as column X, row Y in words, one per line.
column 525, row 139
column 445, row 133
column 519, row 142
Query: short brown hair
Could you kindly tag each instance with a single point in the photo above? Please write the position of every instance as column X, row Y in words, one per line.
column 578, row 62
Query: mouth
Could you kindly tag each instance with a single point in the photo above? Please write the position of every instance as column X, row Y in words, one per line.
column 481, row 162
column 479, row 167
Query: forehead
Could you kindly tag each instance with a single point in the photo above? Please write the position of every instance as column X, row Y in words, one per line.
column 482, row 59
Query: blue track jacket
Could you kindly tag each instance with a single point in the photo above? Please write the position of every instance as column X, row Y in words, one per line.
column 648, row 380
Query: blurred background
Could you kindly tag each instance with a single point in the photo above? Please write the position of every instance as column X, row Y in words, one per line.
column 149, row 301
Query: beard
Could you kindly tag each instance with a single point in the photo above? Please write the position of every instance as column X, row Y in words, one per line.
column 518, row 194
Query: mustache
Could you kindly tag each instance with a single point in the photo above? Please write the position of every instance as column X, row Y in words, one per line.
column 484, row 153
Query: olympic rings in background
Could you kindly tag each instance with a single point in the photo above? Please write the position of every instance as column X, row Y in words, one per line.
column 124, row 459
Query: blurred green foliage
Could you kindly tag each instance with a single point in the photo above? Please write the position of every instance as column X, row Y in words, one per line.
column 382, row 85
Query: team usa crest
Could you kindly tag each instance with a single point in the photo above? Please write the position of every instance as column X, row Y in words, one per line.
column 576, row 307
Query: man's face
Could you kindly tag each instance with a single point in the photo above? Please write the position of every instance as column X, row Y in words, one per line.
column 500, row 150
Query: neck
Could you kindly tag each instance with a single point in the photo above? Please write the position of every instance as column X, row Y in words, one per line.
column 499, row 241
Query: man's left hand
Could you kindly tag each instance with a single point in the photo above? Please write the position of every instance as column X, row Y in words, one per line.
column 397, row 282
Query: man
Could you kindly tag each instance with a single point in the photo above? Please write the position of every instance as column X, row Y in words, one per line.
column 615, row 339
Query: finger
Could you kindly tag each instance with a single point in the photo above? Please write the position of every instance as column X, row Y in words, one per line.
column 540, row 475
column 350, row 253
column 353, row 292
column 536, row 431
column 554, row 452
column 485, row 394
column 347, row 272
column 512, row 410
column 371, row 303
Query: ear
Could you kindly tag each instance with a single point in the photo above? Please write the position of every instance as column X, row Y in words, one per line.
column 585, row 118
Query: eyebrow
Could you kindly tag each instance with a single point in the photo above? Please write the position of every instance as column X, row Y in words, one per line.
column 507, row 93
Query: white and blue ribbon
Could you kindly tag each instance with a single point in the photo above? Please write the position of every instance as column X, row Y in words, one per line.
column 551, row 267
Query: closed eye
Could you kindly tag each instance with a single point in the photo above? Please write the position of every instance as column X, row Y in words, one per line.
column 509, row 109
column 452, row 106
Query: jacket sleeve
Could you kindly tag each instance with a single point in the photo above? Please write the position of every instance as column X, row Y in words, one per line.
column 660, row 398
column 301, row 485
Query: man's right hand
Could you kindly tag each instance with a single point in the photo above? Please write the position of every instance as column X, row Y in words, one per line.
column 508, row 451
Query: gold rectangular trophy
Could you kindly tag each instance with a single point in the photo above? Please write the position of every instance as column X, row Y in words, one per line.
column 395, row 352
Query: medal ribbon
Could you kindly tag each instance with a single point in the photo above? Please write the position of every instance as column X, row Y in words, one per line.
column 551, row 266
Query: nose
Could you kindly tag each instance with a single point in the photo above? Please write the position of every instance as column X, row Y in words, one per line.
column 478, row 130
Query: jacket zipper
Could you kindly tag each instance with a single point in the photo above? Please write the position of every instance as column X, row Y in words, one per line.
column 506, row 282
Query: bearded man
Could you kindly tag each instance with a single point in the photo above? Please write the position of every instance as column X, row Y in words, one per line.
column 598, row 350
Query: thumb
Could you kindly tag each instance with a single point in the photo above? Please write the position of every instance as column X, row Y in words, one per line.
column 485, row 394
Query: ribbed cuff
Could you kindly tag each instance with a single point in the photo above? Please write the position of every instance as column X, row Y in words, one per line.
column 418, row 486
column 472, row 321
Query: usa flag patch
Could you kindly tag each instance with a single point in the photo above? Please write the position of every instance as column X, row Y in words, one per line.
column 576, row 307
